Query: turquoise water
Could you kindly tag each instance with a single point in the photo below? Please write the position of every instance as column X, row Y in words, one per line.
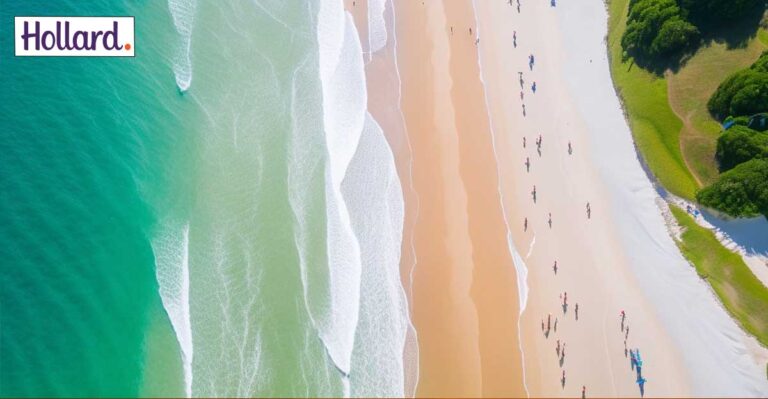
column 216, row 216
column 80, row 138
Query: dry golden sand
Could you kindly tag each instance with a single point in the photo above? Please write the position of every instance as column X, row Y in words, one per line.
column 593, row 263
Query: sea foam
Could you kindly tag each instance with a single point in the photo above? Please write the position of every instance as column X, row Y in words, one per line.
column 374, row 198
column 377, row 28
column 331, row 284
column 171, row 250
column 183, row 13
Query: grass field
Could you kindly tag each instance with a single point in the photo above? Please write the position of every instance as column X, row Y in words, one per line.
column 655, row 126
column 742, row 294
column 679, row 151
column 689, row 90
column 668, row 114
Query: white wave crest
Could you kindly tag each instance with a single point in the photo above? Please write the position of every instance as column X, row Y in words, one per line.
column 342, row 82
column 374, row 197
column 171, row 251
column 183, row 13
column 377, row 27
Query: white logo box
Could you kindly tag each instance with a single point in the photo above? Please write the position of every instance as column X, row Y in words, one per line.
column 74, row 36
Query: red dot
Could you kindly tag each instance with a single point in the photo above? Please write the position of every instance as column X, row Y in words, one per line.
column 127, row 46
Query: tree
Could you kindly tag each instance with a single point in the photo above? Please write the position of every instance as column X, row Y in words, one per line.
column 743, row 93
column 740, row 192
column 761, row 65
column 656, row 28
column 717, row 11
column 740, row 144
column 675, row 34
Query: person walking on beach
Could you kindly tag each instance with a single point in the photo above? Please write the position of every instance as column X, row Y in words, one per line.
column 542, row 325
column 550, row 220
column 525, row 224
column 531, row 61
column 589, row 211
column 521, row 95
column 549, row 319
column 562, row 353
column 554, row 267
column 539, row 142
column 570, row 148
column 623, row 316
column 523, row 109
column 557, row 349
column 625, row 348
column 641, row 384
column 520, row 79
column 533, row 193
column 583, row 387
column 627, row 334
column 527, row 164
column 533, row 87
column 555, row 324
column 514, row 33
column 562, row 381
column 576, row 311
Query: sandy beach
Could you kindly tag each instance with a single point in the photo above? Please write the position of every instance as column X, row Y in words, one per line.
column 464, row 302
column 461, row 138
column 620, row 259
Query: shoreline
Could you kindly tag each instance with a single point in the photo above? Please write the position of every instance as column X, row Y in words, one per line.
column 382, row 78
column 444, row 106
column 459, row 278
column 752, row 261
column 680, row 283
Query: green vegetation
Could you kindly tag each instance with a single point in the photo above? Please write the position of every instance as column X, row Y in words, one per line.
column 741, row 191
column 654, row 125
column 658, row 32
column 676, row 135
column 715, row 11
column 691, row 87
column 656, row 28
column 742, row 294
column 740, row 144
column 743, row 93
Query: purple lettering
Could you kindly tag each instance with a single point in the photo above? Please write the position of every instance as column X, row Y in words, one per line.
column 94, row 39
column 35, row 35
column 113, row 35
column 44, row 39
column 82, row 43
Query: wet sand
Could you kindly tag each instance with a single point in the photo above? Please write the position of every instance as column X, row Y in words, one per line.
column 457, row 137
column 464, row 292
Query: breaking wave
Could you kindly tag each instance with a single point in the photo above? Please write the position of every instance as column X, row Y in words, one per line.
column 183, row 13
column 171, row 249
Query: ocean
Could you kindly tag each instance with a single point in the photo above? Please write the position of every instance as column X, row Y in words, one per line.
column 218, row 216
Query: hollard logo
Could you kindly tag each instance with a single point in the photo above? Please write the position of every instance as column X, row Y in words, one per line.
column 74, row 36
